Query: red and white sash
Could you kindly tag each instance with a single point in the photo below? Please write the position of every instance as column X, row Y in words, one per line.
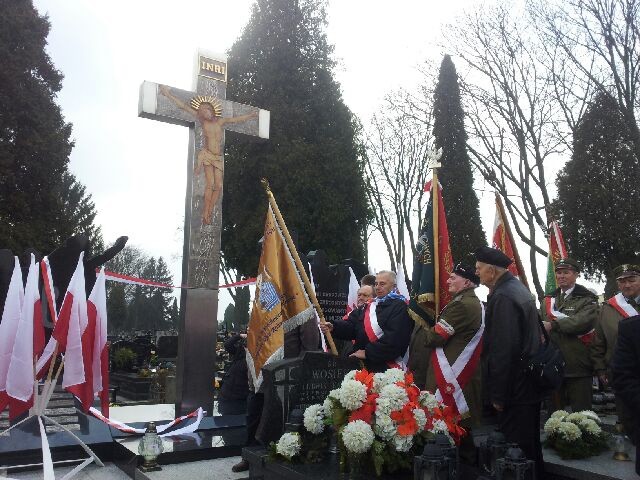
column 451, row 379
column 622, row 306
column 161, row 429
column 553, row 314
column 374, row 333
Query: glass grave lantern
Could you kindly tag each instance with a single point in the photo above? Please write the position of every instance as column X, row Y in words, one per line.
column 515, row 466
column 493, row 448
column 432, row 464
column 150, row 448
column 449, row 450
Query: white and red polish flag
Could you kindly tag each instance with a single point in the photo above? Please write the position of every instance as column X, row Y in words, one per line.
column 352, row 296
column 9, row 328
column 97, row 311
column 401, row 283
column 72, row 322
column 29, row 343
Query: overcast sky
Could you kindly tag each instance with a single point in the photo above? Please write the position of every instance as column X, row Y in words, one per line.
column 135, row 168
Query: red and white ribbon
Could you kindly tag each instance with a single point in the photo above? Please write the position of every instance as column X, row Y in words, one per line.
column 374, row 333
column 622, row 306
column 131, row 280
column 161, row 429
column 451, row 379
column 553, row 315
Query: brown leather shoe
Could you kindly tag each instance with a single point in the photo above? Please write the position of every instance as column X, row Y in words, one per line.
column 241, row 466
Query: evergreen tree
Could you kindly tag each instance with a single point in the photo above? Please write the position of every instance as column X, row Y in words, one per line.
column 40, row 202
column 282, row 62
column 459, row 197
column 117, row 309
column 598, row 192
column 228, row 317
column 174, row 315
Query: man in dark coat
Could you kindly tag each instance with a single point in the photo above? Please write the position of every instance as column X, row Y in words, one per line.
column 232, row 399
column 625, row 369
column 381, row 331
column 512, row 335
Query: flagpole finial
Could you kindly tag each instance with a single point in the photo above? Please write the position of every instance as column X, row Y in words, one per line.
column 265, row 184
column 434, row 157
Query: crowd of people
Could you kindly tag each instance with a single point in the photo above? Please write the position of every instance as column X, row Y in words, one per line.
column 474, row 356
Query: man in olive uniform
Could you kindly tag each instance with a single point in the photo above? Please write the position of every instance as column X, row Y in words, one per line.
column 570, row 315
column 620, row 306
column 454, row 368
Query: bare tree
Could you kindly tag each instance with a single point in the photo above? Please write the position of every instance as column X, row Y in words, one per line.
column 396, row 147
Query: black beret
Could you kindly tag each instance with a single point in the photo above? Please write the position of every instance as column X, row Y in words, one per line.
column 626, row 270
column 569, row 263
column 493, row 256
column 466, row 271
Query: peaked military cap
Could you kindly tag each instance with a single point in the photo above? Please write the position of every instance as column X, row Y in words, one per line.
column 626, row 270
column 569, row 263
column 493, row 256
column 466, row 271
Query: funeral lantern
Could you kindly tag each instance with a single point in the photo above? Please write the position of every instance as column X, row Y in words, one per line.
column 449, row 450
column 432, row 464
column 493, row 448
column 514, row 465
column 150, row 447
column 296, row 420
column 620, row 449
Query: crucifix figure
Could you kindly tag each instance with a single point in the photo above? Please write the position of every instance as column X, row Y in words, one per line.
column 207, row 114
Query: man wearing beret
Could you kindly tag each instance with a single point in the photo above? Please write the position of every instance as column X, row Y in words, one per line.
column 570, row 314
column 512, row 335
column 622, row 305
column 454, row 368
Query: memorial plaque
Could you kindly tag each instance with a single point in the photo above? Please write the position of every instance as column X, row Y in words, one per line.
column 297, row 383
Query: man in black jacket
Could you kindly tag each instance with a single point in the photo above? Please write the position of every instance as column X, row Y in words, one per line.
column 512, row 335
column 381, row 331
column 625, row 368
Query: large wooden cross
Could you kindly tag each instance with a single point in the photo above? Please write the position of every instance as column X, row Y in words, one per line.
column 207, row 114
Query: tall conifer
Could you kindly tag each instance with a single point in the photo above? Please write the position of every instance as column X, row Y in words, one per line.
column 460, row 199
column 598, row 192
column 282, row 62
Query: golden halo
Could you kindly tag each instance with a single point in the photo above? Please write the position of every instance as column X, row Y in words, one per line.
column 213, row 101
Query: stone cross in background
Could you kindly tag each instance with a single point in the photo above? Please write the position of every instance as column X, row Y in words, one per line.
column 207, row 114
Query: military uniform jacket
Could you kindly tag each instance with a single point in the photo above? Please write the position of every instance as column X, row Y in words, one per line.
column 464, row 315
column 419, row 354
column 581, row 310
column 606, row 337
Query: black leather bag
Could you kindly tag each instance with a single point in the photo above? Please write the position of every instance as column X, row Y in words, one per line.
column 546, row 367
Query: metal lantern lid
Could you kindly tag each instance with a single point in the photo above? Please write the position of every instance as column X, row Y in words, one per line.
column 432, row 452
column 151, row 428
column 515, row 454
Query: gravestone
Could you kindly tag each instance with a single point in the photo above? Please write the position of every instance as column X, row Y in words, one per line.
column 167, row 348
column 207, row 114
column 297, row 383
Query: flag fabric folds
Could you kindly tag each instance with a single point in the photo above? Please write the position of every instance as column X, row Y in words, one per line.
column 503, row 241
column 9, row 328
column 280, row 304
column 557, row 250
column 401, row 283
column 423, row 281
column 352, row 296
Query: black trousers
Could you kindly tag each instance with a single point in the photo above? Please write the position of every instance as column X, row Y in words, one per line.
column 521, row 424
column 255, row 402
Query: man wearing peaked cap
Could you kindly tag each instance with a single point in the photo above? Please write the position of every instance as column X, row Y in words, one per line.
column 512, row 332
column 622, row 305
column 570, row 314
column 456, row 337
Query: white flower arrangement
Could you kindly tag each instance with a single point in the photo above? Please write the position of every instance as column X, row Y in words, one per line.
column 440, row 426
column 394, row 375
column 591, row 414
column 314, row 419
column 560, row 414
column 421, row 418
column 396, row 395
column 352, row 394
column 569, row 431
column 327, row 406
column 403, row 444
column 383, row 406
column 428, row 400
column 289, row 445
column 357, row 436
column 350, row 376
column 551, row 425
column 590, row 426
column 576, row 417
column 385, row 427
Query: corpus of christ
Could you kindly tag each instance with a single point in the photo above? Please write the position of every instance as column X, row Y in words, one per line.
column 363, row 291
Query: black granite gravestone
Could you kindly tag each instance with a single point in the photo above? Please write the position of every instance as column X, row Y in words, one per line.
column 297, row 383
column 167, row 348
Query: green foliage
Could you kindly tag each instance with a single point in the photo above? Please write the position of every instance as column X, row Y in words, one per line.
column 228, row 317
column 117, row 308
column 41, row 203
column 282, row 62
column 124, row 358
column 598, row 192
column 459, row 197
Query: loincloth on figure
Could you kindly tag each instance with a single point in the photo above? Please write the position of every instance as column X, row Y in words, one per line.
column 205, row 157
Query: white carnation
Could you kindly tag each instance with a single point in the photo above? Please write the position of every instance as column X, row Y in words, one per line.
column 396, row 395
column 421, row 418
column 394, row 375
column 591, row 414
column 403, row 444
column 327, row 407
column 289, row 445
column 560, row 414
column 569, row 431
column 575, row 417
column 314, row 419
column 551, row 425
column 590, row 426
column 428, row 400
column 357, row 436
column 440, row 426
column 385, row 427
column 352, row 394
column 379, row 381
column 383, row 406
column 350, row 376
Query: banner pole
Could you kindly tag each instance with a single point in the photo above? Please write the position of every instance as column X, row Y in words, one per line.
column 507, row 230
column 298, row 262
